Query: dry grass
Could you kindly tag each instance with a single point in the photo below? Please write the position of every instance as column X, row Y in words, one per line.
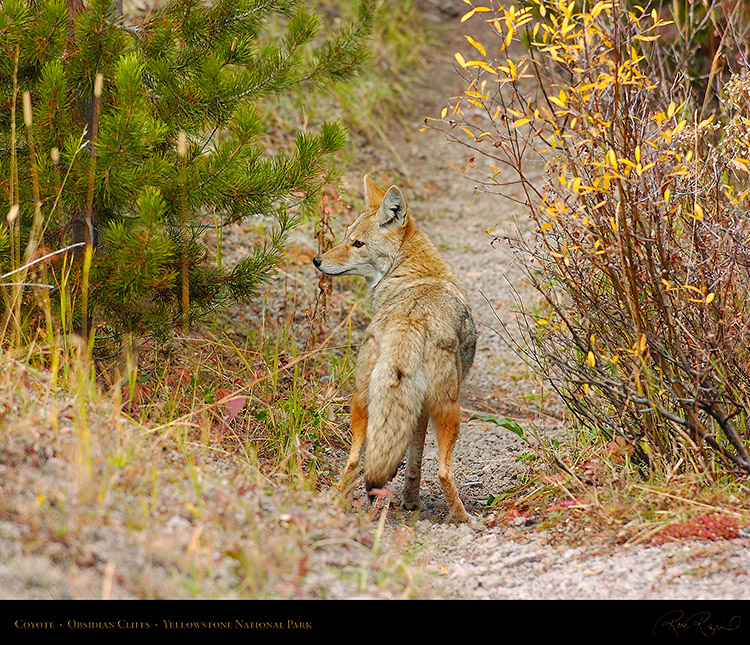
column 205, row 466
column 150, row 484
column 585, row 494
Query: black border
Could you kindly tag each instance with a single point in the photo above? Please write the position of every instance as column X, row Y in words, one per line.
column 667, row 621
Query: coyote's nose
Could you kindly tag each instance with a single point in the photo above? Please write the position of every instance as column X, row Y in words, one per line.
column 316, row 261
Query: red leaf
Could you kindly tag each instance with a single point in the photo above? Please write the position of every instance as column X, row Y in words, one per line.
column 234, row 406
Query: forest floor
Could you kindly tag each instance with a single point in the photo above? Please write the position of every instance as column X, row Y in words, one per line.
column 220, row 531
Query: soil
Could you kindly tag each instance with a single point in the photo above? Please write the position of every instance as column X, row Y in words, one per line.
column 297, row 544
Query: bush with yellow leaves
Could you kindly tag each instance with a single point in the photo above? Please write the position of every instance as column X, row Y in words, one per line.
column 640, row 249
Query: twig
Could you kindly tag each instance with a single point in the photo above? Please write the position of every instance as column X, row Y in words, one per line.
column 41, row 259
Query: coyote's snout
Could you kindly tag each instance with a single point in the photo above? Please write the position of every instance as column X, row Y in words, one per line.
column 415, row 353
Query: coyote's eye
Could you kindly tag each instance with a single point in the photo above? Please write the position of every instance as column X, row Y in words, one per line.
column 358, row 244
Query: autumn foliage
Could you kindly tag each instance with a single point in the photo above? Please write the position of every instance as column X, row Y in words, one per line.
column 639, row 249
column 711, row 526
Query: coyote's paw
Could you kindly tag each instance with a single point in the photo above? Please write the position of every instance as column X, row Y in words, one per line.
column 411, row 504
column 474, row 523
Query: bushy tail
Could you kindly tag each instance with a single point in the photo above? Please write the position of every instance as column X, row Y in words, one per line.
column 398, row 386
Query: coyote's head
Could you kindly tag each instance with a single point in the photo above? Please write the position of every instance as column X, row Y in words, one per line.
column 371, row 245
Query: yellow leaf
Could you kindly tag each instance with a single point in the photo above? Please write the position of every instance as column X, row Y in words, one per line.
column 443, row 112
column 478, row 46
column 556, row 101
column 612, row 158
column 467, row 15
column 698, row 211
column 591, row 359
column 521, row 122
column 461, row 60
column 513, row 70
column 710, row 298
column 479, row 63
column 741, row 165
column 598, row 7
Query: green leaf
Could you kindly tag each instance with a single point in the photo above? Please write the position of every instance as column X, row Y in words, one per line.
column 504, row 422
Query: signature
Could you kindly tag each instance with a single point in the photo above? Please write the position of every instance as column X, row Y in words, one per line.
column 677, row 622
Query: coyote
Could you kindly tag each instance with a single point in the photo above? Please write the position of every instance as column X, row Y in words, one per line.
column 416, row 351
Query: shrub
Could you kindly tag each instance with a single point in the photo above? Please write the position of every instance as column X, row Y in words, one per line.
column 640, row 247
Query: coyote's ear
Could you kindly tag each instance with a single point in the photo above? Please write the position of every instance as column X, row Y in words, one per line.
column 373, row 193
column 392, row 211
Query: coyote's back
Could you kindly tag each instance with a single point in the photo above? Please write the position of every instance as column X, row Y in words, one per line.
column 416, row 351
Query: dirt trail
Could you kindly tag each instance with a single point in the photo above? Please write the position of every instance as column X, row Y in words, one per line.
column 516, row 560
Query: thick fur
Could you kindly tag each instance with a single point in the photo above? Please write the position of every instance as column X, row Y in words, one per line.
column 416, row 351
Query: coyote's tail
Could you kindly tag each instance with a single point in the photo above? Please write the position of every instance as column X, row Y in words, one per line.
column 398, row 385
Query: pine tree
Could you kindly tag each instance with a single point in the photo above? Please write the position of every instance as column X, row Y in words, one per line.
column 139, row 138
